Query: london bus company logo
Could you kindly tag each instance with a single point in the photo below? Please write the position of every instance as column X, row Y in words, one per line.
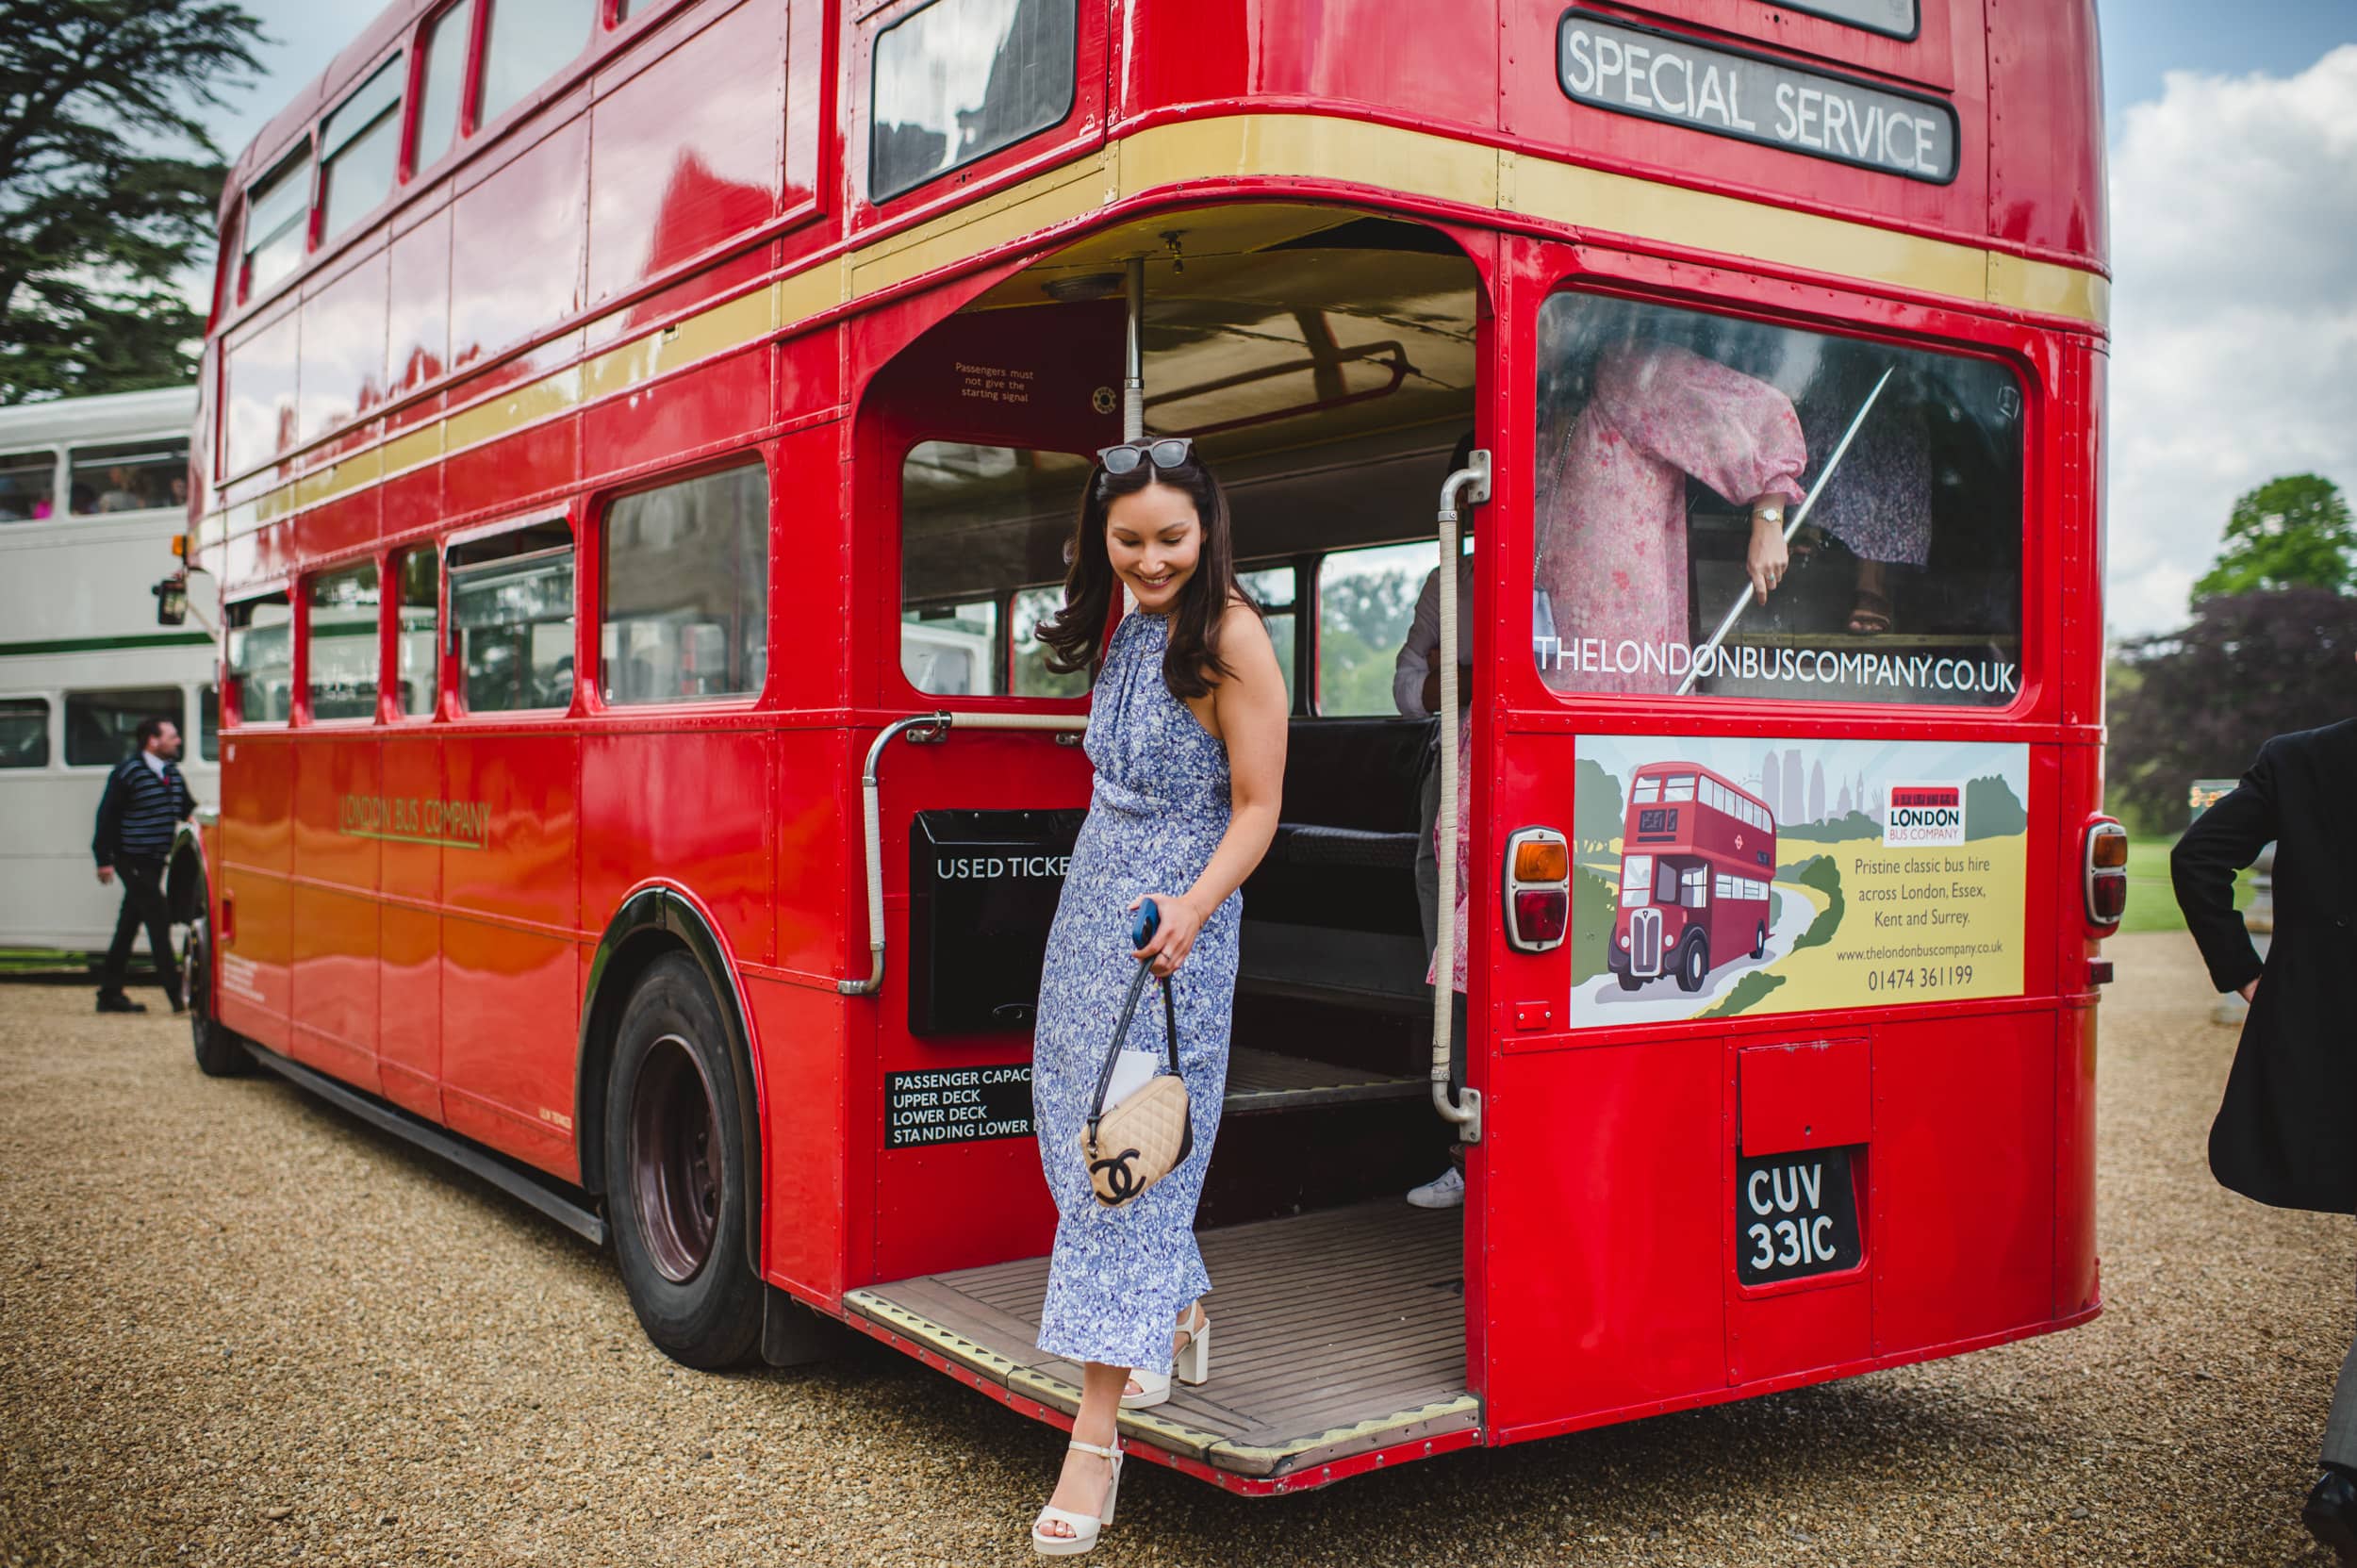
column 416, row 820
column 1919, row 814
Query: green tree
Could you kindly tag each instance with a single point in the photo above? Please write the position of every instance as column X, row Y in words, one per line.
column 2290, row 533
column 108, row 185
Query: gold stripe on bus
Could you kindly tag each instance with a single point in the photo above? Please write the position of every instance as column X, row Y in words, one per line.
column 1250, row 146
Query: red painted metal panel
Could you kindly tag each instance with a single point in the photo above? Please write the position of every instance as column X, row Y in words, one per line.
column 685, row 413
column 817, row 820
column 802, row 1053
column 689, row 150
column 810, row 519
column 411, row 502
column 410, row 1007
column 338, row 527
column 2046, row 128
column 2077, row 1275
column 503, row 474
column 256, row 800
column 1775, row 1336
column 1606, row 1213
column 510, row 1005
column 522, row 788
column 1961, row 1219
column 685, row 806
column 516, row 246
column 1812, row 1094
column 334, row 1007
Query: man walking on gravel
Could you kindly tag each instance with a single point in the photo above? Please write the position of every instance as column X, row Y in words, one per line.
column 145, row 802
column 2284, row 1134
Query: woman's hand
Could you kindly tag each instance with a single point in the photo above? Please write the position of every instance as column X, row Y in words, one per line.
column 1181, row 922
column 1767, row 558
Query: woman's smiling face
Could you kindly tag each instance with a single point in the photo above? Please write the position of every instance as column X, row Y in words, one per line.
column 1154, row 538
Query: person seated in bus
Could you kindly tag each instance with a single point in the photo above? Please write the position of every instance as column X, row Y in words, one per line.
column 1186, row 731
column 122, row 494
column 1611, row 502
column 1879, row 504
column 1416, row 692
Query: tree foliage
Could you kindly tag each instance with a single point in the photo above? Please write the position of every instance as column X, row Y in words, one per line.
column 107, row 184
column 2289, row 533
column 1362, row 618
column 2198, row 703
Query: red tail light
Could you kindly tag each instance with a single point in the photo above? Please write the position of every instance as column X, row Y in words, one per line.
column 2107, row 873
column 1540, row 915
column 1537, row 888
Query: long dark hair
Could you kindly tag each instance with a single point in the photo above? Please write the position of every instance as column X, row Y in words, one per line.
column 1075, row 635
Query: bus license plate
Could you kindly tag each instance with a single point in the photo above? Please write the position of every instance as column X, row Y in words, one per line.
column 1795, row 1215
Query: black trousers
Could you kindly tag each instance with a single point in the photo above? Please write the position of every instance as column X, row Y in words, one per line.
column 143, row 905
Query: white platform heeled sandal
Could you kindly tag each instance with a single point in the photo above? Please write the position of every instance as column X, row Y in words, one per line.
column 1084, row 1527
column 1190, row 1363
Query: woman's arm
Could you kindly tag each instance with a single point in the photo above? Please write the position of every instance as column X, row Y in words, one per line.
column 1250, row 706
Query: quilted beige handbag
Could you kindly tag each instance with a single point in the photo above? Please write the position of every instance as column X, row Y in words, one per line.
column 1136, row 1143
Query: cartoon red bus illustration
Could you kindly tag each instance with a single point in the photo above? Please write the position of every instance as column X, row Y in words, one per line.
column 1697, row 855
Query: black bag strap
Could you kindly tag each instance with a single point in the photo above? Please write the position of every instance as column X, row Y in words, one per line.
column 1121, row 1034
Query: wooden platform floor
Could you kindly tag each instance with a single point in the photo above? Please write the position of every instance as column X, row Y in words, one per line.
column 1334, row 1333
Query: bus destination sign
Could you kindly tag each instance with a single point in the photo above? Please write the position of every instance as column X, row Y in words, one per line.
column 1659, row 75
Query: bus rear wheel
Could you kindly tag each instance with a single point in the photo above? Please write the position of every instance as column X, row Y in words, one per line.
column 1760, row 941
column 676, row 1172
column 1693, row 964
column 1629, row 982
column 218, row 1051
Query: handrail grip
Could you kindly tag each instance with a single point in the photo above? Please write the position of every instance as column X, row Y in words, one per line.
column 871, row 823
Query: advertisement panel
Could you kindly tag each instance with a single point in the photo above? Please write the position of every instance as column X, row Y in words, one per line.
column 1719, row 877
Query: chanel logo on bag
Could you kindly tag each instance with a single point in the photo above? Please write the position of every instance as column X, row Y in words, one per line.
column 1115, row 1182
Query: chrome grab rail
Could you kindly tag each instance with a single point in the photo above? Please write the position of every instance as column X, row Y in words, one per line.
column 919, row 727
column 1472, row 485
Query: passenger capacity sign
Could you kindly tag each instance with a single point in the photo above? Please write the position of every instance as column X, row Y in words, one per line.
column 957, row 1105
column 1659, row 75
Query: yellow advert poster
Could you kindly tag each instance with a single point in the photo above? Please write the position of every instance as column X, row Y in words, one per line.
column 1718, row 877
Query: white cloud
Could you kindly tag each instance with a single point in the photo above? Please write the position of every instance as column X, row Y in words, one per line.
column 2235, row 314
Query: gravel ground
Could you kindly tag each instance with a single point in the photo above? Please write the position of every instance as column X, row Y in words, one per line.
column 242, row 1327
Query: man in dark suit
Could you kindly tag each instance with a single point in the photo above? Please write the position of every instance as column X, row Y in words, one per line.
column 145, row 802
column 2286, row 1133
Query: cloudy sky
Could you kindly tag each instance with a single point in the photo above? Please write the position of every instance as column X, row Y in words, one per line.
column 2233, row 141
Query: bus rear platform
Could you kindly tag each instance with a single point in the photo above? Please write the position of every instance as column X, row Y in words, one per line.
column 1341, row 1346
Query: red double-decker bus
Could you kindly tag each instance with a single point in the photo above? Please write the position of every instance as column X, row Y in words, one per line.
column 1694, row 873
column 637, row 441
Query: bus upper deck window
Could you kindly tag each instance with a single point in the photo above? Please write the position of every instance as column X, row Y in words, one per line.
column 261, row 658
column 511, row 608
column 962, row 78
column 524, row 44
column 277, row 228
column 357, row 148
column 442, row 85
column 687, row 605
column 1667, row 436
column 982, row 529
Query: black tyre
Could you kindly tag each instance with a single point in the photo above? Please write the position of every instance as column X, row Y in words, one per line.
column 1629, row 982
column 1760, row 941
column 1693, row 964
column 218, row 1051
column 677, row 1170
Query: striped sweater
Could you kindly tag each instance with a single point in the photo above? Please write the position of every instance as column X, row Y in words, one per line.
column 141, row 811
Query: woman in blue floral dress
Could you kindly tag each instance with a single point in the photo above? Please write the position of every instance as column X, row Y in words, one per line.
column 1187, row 734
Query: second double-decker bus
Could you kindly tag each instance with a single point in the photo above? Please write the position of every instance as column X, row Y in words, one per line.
column 1697, row 858
column 639, row 440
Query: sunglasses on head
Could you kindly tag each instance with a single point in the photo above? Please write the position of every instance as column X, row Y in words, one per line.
column 1169, row 452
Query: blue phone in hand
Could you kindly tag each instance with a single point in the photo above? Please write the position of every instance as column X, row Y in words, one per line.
column 1148, row 921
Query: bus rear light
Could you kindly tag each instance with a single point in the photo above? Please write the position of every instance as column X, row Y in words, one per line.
column 2105, row 881
column 1540, row 916
column 1542, row 860
column 1537, row 888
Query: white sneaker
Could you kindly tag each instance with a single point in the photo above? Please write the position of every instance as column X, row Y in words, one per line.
column 1444, row 1191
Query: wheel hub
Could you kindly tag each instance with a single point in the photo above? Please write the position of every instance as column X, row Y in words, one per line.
column 675, row 1159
